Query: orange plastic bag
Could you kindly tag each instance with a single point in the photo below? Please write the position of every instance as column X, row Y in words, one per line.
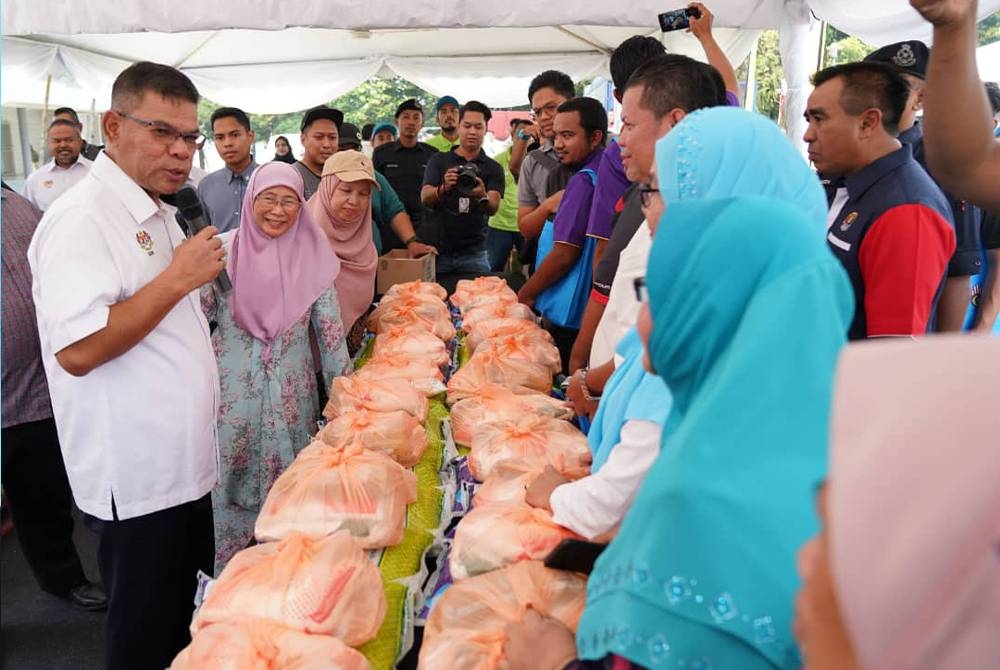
column 492, row 536
column 411, row 342
column 467, row 289
column 421, row 373
column 496, row 403
column 507, row 484
column 413, row 311
column 348, row 394
column 327, row 489
column 466, row 628
column 483, row 300
column 472, row 319
column 422, row 287
column 490, row 367
column 535, row 440
column 529, row 348
column 251, row 643
column 327, row 586
column 397, row 434
column 493, row 328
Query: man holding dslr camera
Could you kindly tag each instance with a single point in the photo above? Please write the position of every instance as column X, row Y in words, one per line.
column 462, row 189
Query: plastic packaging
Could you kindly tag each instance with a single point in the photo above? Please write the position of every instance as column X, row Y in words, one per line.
column 527, row 347
column 466, row 628
column 490, row 367
column 251, row 643
column 493, row 328
column 327, row 489
column 421, row 373
column 326, row 586
column 496, row 403
column 467, row 289
column 416, row 310
column 501, row 310
column 507, row 484
column 416, row 287
column 348, row 394
column 411, row 342
column 536, row 441
column 399, row 434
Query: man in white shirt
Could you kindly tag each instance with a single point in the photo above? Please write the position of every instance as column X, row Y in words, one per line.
column 66, row 168
column 132, row 376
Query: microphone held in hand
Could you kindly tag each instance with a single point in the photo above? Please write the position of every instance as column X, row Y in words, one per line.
column 189, row 206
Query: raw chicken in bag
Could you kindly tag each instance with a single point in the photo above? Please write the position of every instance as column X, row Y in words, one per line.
column 535, row 440
column 349, row 394
column 397, row 434
column 497, row 403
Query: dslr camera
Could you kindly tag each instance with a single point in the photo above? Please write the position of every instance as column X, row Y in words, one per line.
column 467, row 176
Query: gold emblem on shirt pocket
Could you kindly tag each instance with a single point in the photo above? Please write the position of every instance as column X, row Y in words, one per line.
column 848, row 220
column 145, row 242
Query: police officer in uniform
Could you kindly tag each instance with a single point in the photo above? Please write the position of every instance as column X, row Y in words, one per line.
column 889, row 223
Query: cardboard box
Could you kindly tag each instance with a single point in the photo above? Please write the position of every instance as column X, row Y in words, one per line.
column 396, row 267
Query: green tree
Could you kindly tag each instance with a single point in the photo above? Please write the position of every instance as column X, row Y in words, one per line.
column 769, row 75
column 989, row 29
column 376, row 100
column 846, row 50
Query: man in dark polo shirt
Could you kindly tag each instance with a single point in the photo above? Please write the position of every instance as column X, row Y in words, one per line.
column 911, row 58
column 459, row 216
column 320, row 135
column 403, row 162
column 890, row 225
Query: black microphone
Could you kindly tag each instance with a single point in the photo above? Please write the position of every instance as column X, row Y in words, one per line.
column 189, row 206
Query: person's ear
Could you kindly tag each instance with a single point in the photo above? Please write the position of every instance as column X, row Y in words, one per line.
column 111, row 124
column 871, row 121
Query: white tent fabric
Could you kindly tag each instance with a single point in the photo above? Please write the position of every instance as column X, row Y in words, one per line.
column 799, row 45
column 988, row 59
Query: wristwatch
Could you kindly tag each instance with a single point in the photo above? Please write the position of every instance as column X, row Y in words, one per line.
column 410, row 240
column 587, row 395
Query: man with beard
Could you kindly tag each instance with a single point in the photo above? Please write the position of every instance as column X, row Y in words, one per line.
column 66, row 168
column 447, row 117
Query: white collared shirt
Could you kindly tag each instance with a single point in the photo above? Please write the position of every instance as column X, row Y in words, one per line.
column 141, row 428
column 50, row 181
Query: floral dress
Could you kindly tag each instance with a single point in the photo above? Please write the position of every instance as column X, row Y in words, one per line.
column 268, row 408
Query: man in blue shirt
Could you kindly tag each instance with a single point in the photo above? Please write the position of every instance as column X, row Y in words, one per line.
column 222, row 191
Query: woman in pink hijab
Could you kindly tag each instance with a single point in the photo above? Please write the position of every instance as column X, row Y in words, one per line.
column 283, row 273
column 905, row 574
column 342, row 206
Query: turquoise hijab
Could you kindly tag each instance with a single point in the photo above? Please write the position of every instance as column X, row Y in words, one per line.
column 722, row 152
column 631, row 394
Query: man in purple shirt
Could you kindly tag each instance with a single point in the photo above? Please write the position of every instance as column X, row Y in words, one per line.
column 580, row 136
column 34, row 476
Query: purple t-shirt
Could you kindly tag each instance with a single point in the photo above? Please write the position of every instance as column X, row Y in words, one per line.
column 611, row 184
column 570, row 224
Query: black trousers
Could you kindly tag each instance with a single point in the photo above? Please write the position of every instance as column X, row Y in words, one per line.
column 149, row 565
column 34, row 479
column 564, row 339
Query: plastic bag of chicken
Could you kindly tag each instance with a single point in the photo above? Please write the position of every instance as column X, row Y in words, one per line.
column 491, row 367
column 466, row 289
column 328, row 489
column 349, row 394
column 534, row 440
column 397, row 434
column 497, row 403
column 501, row 327
column 411, row 342
column 501, row 310
column 415, row 310
column 327, row 586
column 416, row 287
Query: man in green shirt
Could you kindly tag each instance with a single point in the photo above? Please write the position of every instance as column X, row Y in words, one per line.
column 447, row 117
column 503, row 234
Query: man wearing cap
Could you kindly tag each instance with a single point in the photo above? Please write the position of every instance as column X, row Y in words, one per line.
column 447, row 117
column 388, row 211
column 403, row 163
column 319, row 139
column 383, row 133
column 911, row 58
column 222, row 191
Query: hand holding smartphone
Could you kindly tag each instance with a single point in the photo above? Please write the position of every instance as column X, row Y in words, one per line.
column 678, row 19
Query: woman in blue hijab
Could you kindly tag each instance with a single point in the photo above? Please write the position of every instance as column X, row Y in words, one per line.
column 748, row 311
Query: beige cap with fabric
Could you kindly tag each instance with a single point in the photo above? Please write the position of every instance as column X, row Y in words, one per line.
column 351, row 166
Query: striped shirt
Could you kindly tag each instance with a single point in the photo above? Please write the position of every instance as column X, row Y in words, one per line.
column 25, row 391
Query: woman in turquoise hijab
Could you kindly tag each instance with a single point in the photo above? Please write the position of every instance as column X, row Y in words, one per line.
column 748, row 311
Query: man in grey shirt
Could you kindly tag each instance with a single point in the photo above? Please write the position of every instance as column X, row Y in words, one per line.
column 320, row 137
column 222, row 191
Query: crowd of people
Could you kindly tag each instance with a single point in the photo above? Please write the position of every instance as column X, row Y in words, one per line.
column 707, row 288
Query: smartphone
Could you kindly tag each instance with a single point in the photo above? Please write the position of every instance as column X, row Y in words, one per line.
column 575, row 556
column 678, row 19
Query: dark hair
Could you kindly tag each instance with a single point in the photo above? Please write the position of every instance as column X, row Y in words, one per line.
column 475, row 106
column 560, row 82
column 284, row 139
column 135, row 80
column 67, row 110
column 63, row 122
column 870, row 85
column 630, row 54
column 229, row 112
column 672, row 81
column 593, row 118
column 993, row 93
column 366, row 131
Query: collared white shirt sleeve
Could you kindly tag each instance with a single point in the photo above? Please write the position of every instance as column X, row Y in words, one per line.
column 596, row 504
column 622, row 310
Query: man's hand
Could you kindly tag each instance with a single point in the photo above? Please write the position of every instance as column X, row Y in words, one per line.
column 450, row 179
column 551, row 203
column 574, row 393
column 197, row 260
column 539, row 492
column 417, row 249
column 538, row 643
column 701, row 26
column 945, row 12
column 531, row 129
column 480, row 190
column 526, row 298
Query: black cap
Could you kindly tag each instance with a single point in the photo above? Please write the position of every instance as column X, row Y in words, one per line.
column 411, row 103
column 322, row 112
column 908, row 57
column 349, row 136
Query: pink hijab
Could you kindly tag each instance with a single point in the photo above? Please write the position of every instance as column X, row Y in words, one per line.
column 915, row 502
column 352, row 242
column 276, row 280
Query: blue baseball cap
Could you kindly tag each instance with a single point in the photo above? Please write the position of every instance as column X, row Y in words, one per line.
column 385, row 125
column 445, row 100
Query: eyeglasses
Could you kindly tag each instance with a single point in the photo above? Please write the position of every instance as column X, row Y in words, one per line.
column 547, row 109
column 641, row 292
column 646, row 194
column 269, row 201
column 166, row 133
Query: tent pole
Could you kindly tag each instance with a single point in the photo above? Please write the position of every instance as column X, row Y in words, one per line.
column 45, row 119
column 821, row 56
column 750, row 95
column 22, row 135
